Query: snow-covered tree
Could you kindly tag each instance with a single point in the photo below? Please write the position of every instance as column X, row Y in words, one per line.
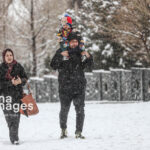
column 33, row 19
column 4, row 7
column 30, row 30
column 93, row 21
column 75, row 3
column 131, row 28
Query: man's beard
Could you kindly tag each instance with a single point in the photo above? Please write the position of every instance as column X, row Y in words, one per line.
column 75, row 50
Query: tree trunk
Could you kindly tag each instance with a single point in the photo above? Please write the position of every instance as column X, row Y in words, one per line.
column 34, row 71
column 76, row 8
column 4, row 26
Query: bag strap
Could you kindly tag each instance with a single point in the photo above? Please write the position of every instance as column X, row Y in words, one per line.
column 28, row 86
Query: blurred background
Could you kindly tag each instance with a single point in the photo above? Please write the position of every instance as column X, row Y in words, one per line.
column 116, row 32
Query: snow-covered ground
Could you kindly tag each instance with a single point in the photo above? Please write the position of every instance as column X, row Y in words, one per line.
column 108, row 126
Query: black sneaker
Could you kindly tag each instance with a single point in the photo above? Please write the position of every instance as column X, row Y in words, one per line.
column 78, row 135
column 16, row 143
column 63, row 134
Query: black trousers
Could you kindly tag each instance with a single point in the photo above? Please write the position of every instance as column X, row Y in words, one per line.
column 78, row 101
column 13, row 120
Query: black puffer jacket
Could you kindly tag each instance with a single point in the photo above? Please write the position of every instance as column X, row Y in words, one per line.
column 71, row 72
column 6, row 86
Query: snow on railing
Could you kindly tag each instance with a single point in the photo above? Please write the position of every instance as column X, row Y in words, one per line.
column 115, row 84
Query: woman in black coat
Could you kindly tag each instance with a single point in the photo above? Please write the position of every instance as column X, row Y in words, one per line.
column 12, row 80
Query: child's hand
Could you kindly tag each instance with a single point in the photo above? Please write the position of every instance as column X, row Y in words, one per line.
column 85, row 53
column 59, row 39
column 65, row 53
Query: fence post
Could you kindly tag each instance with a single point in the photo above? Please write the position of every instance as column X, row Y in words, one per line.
column 116, row 90
column 146, row 84
column 137, row 84
column 106, row 85
column 126, row 85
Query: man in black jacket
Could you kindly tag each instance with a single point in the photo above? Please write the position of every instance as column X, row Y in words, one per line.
column 72, row 82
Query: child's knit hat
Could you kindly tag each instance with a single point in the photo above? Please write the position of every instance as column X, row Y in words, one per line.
column 66, row 20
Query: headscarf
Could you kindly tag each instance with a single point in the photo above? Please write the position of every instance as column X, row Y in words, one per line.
column 10, row 65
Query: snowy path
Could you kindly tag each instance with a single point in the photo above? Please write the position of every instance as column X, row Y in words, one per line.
column 107, row 127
